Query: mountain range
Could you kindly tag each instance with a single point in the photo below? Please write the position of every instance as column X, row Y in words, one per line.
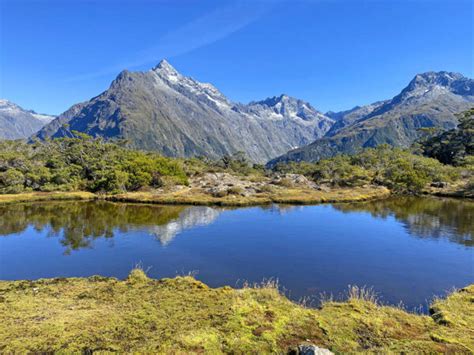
column 165, row 111
column 431, row 99
column 17, row 123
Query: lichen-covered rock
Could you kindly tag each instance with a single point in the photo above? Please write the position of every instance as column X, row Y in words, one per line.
column 294, row 180
column 310, row 349
column 223, row 184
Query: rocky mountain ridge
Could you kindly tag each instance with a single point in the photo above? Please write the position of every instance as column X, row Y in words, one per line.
column 176, row 115
column 165, row 111
column 431, row 99
column 18, row 123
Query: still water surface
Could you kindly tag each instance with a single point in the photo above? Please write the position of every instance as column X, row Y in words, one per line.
column 408, row 249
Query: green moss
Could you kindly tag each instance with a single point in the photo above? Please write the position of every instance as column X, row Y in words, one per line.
column 455, row 315
column 183, row 315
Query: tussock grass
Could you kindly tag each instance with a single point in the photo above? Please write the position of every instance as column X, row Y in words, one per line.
column 46, row 196
column 288, row 196
column 363, row 293
column 190, row 196
column 183, row 315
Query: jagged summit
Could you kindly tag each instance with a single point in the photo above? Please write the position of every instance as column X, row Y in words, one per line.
column 274, row 100
column 430, row 80
column 165, row 67
column 443, row 78
column 287, row 107
column 427, row 87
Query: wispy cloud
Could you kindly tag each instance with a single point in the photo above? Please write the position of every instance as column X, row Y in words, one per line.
column 205, row 30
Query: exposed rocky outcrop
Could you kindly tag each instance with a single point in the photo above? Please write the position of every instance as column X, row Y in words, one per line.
column 222, row 184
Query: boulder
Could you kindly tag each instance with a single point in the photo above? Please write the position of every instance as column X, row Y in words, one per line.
column 311, row 349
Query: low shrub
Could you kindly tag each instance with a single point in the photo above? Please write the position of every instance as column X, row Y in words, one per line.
column 83, row 163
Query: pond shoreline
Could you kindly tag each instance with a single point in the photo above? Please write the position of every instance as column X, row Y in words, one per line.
column 196, row 197
column 144, row 314
column 189, row 196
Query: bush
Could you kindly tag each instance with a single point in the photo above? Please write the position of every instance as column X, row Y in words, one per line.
column 340, row 171
column 12, row 181
column 453, row 146
column 395, row 168
column 236, row 163
column 235, row 190
column 82, row 163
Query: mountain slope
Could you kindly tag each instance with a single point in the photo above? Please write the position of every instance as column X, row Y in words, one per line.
column 164, row 111
column 300, row 121
column 430, row 100
column 17, row 123
column 348, row 117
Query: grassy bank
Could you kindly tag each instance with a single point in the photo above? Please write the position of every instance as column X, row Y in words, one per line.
column 183, row 315
column 189, row 196
column 45, row 196
column 461, row 189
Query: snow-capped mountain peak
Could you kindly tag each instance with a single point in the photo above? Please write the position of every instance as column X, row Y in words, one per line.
column 433, row 84
column 15, row 122
column 166, row 70
column 164, row 66
column 287, row 107
column 8, row 107
column 190, row 87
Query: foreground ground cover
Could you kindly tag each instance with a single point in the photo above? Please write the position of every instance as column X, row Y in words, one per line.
column 183, row 315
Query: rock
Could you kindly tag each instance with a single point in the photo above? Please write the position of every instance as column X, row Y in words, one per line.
column 323, row 188
column 310, row 349
column 223, row 184
column 297, row 180
column 218, row 191
column 439, row 184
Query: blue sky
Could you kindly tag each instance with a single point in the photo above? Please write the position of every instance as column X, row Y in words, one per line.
column 335, row 54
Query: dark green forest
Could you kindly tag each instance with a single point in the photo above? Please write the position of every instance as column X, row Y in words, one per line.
column 455, row 146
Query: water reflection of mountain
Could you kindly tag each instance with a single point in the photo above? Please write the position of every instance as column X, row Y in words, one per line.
column 188, row 218
column 425, row 217
column 79, row 223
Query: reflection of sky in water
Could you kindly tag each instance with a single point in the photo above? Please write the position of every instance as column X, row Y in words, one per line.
column 406, row 249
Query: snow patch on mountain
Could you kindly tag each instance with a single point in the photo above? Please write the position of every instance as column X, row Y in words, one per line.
column 16, row 122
